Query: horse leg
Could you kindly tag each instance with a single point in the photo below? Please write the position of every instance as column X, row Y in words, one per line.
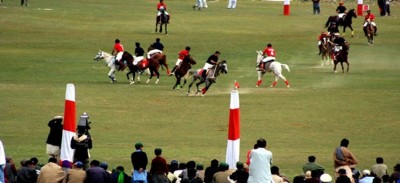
column 352, row 31
column 341, row 63
column 161, row 27
column 284, row 79
column 157, row 20
column 344, row 30
column 334, row 66
column 197, row 86
column 158, row 76
column 190, row 85
column 348, row 66
column 111, row 75
column 259, row 80
column 166, row 31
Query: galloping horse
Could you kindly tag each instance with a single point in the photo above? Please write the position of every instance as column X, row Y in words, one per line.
column 110, row 62
column 370, row 32
column 162, row 19
column 275, row 67
column 182, row 70
column 326, row 51
column 213, row 73
column 347, row 21
column 153, row 64
column 341, row 56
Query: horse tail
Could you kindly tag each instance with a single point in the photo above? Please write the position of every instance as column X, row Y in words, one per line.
column 285, row 66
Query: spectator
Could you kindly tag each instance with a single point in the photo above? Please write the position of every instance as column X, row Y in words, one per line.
column 96, row 174
column 81, row 142
column 27, row 173
column 385, row 179
column 325, row 178
column 316, row 8
column 395, row 176
column 66, row 165
column 210, row 171
column 240, row 175
column 119, row 176
column 343, row 159
column 2, row 162
column 159, row 168
column 222, row 175
column 35, row 163
column 367, row 177
column 54, row 138
column 200, row 171
column 139, row 162
column 315, row 176
column 76, row 174
column 343, row 178
column 51, row 172
column 178, row 172
column 379, row 169
column 10, row 171
column 260, row 163
column 312, row 165
column 248, row 155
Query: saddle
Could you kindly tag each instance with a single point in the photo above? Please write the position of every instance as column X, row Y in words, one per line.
column 143, row 64
column 120, row 64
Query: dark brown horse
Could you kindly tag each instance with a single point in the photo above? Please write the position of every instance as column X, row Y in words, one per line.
column 370, row 32
column 162, row 20
column 182, row 70
column 342, row 57
column 153, row 64
column 333, row 22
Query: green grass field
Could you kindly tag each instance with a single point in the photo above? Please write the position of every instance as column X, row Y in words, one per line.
column 51, row 43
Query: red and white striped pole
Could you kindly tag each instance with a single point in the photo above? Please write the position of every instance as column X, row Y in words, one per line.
column 360, row 8
column 69, row 129
column 233, row 145
column 286, row 7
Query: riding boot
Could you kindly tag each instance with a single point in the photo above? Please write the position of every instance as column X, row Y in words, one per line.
column 204, row 74
column 319, row 47
column 173, row 70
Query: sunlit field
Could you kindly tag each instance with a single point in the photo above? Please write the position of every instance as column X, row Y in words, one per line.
column 51, row 43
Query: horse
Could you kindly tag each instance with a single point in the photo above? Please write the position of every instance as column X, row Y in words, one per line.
column 326, row 51
column 153, row 64
column 110, row 62
column 275, row 67
column 341, row 56
column 211, row 76
column 182, row 70
column 370, row 32
column 346, row 22
column 162, row 19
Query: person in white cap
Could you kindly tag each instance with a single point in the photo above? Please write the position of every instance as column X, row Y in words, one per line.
column 366, row 177
column 325, row 178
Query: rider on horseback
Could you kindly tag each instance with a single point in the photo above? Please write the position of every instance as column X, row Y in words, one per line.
column 322, row 38
column 139, row 52
column 339, row 44
column 269, row 54
column 211, row 62
column 341, row 10
column 182, row 54
column 369, row 18
column 118, row 50
column 161, row 6
column 154, row 48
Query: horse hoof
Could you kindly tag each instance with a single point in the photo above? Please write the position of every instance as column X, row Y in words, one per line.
column 288, row 86
column 335, row 72
column 132, row 82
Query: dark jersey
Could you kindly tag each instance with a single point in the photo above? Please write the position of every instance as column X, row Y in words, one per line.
column 341, row 9
column 158, row 46
column 339, row 41
column 212, row 57
column 139, row 51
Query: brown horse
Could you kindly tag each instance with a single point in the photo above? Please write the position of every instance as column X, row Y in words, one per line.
column 342, row 57
column 182, row 70
column 326, row 51
column 370, row 32
column 153, row 64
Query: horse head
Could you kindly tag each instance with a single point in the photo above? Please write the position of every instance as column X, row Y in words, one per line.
column 99, row 56
column 259, row 56
column 352, row 13
column 223, row 67
column 190, row 60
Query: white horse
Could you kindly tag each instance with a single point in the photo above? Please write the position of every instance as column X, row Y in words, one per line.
column 110, row 62
column 275, row 67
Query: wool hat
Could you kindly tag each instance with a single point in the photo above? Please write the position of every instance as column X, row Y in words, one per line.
column 79, row 164
column 138, row 145
column 66, row 164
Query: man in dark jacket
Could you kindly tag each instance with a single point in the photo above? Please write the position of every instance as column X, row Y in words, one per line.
column 139, row 162
column 54, row 138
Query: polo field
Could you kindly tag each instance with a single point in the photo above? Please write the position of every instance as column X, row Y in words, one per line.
column 49, row 44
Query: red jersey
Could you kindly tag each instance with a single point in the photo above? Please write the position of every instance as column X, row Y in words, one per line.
column 370, row 16
column 269, row 51
column 159, row 5
column 118, row 47
column 183, row 54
